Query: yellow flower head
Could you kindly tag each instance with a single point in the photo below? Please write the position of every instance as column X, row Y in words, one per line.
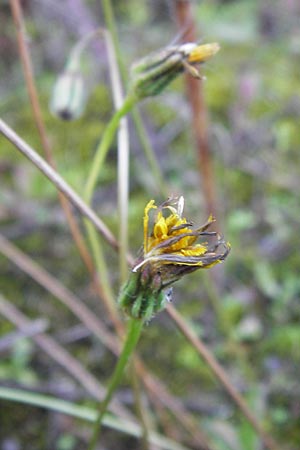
column 170, row 248
column 169, row 252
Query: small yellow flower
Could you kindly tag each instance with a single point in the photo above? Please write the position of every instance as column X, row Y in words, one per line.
column 170, row 249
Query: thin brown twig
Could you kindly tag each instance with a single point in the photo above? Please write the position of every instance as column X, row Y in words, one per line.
column 174, row 405
column 58, row 290
column 36, row 327
column 184, row 15
column 195, row 95
column 185, row 18
column 220, row 373
column 95, row 325
column 37, row 114
column 59, row 182
column 60, row 355
column 64, row 187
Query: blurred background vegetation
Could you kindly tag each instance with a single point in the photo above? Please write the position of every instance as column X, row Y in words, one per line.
column 250, row 318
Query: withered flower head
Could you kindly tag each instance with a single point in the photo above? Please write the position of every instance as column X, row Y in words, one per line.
column 170, row 251
column 152, row 74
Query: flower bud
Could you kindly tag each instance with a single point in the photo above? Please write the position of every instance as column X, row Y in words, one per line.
column 69, row 96
column 152, row 74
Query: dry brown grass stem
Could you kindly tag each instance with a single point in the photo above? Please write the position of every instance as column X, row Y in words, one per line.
column 17, row 14
column 37, row 114
column 61, row 356
column 156, row 388
column 85, row 210
column 153, row 384
column 35, row 327
column 60, row 184
column 220, row 373
column 195, row 95
column 58, row 290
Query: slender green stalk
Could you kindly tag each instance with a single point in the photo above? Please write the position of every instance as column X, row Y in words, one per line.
column 149, row 153
column 145, row 142
column 134, row 331
column 102, row 269
column 96, row 167
column 104, row 146
column 123, row 158
column 111, row 26
column 116, row 66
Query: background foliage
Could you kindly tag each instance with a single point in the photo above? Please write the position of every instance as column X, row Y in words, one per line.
column 252, row 96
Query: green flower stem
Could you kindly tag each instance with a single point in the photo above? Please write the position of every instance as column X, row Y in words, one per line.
column 111, row 26
column 103, row 147
column 101, row 266
column 149, row 153
column 96, row 166
column 135, row 327
column 145, row 142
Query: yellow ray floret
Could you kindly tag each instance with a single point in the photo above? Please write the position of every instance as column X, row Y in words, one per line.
column 150, row 205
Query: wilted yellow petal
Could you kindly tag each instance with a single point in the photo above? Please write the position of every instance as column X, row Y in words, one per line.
column 160, row 230
column 150, row 205
column 197, row 250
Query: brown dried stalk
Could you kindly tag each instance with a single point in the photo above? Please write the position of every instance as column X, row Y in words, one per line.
column 37, row 114
column 61, row 356
column 96, row 326
column 76, row 200
column 195, row 95
column 220, row 373
column 38, row 118
column 200, row 126
column 59, row 182
column 35, row 327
